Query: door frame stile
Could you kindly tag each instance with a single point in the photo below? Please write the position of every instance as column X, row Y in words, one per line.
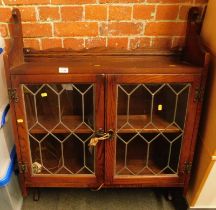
column 110, row 122
column 100, row 123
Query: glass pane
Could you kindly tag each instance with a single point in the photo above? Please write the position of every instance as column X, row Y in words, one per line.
column 51, row 154
column 181, row 107
column 131, row 155
column 158, row 154
column 150, row 127
column 76, row 154
column 47, row 107
column 164, row 105
column 60, row 120
column 134, row 106
column 77, row 107
column 30, row 106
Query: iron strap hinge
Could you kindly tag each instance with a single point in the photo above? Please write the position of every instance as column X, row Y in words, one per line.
column 187, row 167
column 198, row 95
column 12, row 94
column 22, row 168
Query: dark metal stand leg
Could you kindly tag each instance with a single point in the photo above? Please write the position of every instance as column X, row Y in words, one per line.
column 36, row 194
column 169, row 196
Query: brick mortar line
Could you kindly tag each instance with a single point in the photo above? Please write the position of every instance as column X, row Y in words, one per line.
column 143, row 36
column 108, row 14
column 36, row 14
column 58, row 22
column 129, row 43
column 114, row 3
column 95, row 21
column 144, row 27
column 172, row 42
column 99, row 28
column 95, row 37
column 52, row 29
column 60, row 13
column 151, row 41
column 84, row 41
column 83, row 13
column 40, row 44
column 132, row 19
column 155, row 13
column 2, row 2
column 178, row 16
column 108, row 4
column 119, row 5
column 102, row 37
column 132, row 12
column 62, row 42
column 107, row 25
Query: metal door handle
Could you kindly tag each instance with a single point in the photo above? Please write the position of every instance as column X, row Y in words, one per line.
column 100, row 136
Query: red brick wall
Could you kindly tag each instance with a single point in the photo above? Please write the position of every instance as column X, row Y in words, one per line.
column 78, row 24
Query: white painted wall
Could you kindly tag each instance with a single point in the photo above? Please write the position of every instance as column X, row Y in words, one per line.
column 4, row 152
column 207, row 195
column 209, row 26
column 3, row 86
column 10, row 194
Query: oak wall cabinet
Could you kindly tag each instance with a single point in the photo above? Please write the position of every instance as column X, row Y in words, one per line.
column 102, row 118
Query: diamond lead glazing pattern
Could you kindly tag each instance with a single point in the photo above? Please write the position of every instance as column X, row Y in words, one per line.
column 150, row 128
column 61, row 122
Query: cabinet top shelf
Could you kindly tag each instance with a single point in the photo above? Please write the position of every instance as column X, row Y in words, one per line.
column 190, row 60
column 106, row 64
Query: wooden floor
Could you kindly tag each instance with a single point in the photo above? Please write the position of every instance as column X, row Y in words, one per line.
column 105, row 199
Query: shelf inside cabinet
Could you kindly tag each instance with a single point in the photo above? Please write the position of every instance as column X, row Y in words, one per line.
column 137, row 167
column 72, row 167
column 138, row 123
column 72, row 122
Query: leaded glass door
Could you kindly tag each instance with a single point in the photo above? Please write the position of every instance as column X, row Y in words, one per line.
column 151, row 120
column 60, row 118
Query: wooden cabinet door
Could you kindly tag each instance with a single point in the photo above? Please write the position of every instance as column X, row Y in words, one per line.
column 56, row 118
column 153, row 118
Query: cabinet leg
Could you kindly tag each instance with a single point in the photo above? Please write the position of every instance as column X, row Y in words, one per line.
column 24, row 192
column 23, row 187
column 36, row 194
